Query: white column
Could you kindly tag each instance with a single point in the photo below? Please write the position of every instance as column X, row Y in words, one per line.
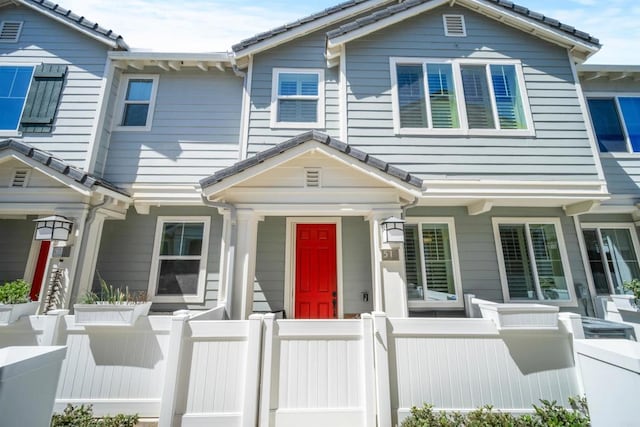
column 69, row 265
column 89, row 255
column 389, row 282
column 226, row 256
column 245, row 265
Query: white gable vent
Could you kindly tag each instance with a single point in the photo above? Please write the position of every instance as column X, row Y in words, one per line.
column 312, row 177
column 20, row 178
column 10, row 31
column 454, row 26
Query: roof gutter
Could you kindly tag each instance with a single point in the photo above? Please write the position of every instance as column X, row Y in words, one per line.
column 230, row 260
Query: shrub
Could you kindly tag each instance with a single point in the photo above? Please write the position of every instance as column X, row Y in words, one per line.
column 82, row 416
column 16, row 292
column 634, row 287
column 549, row 414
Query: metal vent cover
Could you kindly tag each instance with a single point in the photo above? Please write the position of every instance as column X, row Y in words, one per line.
column 10, row 31
column 312, row 177
column 454, row 26
column 20, row 178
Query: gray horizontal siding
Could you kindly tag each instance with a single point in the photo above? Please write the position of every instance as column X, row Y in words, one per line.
column 477, row 249
column 268, row 288
column 17, row 236
column 126, row 252
column 195, row 131
column 356, row 266
column 305, row 52
column 44, row 40
column 560, row 149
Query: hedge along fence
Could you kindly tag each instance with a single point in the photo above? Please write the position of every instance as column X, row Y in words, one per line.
column 264, row 371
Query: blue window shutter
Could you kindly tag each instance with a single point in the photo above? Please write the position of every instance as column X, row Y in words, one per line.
column 43, row 98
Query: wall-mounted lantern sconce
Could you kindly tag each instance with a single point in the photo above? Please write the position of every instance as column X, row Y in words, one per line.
column 392, row 230
column 53, row 228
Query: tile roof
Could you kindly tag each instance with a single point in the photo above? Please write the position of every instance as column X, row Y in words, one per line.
column 284, row 28
column 77, row 20
column 396, row 8
column 322, row 138
column 408, row 4
column 60, row 166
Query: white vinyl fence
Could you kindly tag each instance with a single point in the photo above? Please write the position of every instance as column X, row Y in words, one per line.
column 194, row 371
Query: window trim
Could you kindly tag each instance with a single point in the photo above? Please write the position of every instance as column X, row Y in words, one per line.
column 455, row 261
column 16, row 132
column 463, row 130
column 155, row 260
column 320, row 113
column 564, row 258
column 122, row 92
column 615, row 96
column 607, row 225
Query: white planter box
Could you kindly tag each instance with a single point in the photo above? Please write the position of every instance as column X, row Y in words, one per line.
column 9, row 313
column 626, row 302
column 521, row 316
column 109, row 314
column 28, row 381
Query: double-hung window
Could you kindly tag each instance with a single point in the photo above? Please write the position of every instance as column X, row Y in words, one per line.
column 458, row 96
column 431, row 263
column 616, row 121
column 612, row 250
column 14, row 86
column 138, row 96
column 532, row 259
column 178, row 272
column 297, row 98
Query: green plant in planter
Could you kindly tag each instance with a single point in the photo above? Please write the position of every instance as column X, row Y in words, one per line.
column 82, row 416
column 113, row 295
column 634, row 287
column 15, row 292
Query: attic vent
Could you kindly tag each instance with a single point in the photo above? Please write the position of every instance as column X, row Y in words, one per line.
column 312, row 178
column 10, row 31
column 454, row 26
column 20, row 178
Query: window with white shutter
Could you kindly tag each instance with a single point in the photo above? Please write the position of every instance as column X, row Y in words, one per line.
column 458, row 96
column 297, row 98
column 431, row 265
column 532, row 259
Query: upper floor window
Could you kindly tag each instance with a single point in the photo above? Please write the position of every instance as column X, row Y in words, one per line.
column 297, row 98
column 178, row 271
column 14, row 85
column 431, row 263
column 462, row 97
column 616, row 121
column 138, row 101
column 532, row 259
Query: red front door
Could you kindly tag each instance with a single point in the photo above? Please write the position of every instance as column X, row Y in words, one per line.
column 316, row 271
column 41, row 266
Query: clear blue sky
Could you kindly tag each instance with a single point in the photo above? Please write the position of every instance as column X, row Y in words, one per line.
column 214, row 25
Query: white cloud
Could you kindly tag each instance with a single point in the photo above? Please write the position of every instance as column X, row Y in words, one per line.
column 215, row 25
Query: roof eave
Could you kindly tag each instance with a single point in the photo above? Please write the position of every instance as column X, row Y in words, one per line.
column 118, row 43
column 270, row 42
column 579, row 48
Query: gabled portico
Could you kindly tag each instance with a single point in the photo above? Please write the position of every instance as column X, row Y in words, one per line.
column 309, row 185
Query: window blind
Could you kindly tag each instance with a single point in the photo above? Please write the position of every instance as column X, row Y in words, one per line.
column 476, row 97
column 413, row 111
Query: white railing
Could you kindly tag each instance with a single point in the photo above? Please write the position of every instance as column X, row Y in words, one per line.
column 269, row 372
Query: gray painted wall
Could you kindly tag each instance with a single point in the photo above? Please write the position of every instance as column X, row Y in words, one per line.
column 195, row 131
column 44, row 40
column 17, row 236
column 559, row 151
column 622, row 173
column 270, row 265
column 477, row 250
column 126, row 251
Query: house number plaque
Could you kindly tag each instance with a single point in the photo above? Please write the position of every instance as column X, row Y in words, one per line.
column 391, row 254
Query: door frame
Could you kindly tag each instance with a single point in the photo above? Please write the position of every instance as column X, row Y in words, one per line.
column 290, row 261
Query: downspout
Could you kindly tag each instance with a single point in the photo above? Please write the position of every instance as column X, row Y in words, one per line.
column 233, row 212
column 405, row 208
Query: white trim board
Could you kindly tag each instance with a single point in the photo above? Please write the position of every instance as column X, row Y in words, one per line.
column 290, row 261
